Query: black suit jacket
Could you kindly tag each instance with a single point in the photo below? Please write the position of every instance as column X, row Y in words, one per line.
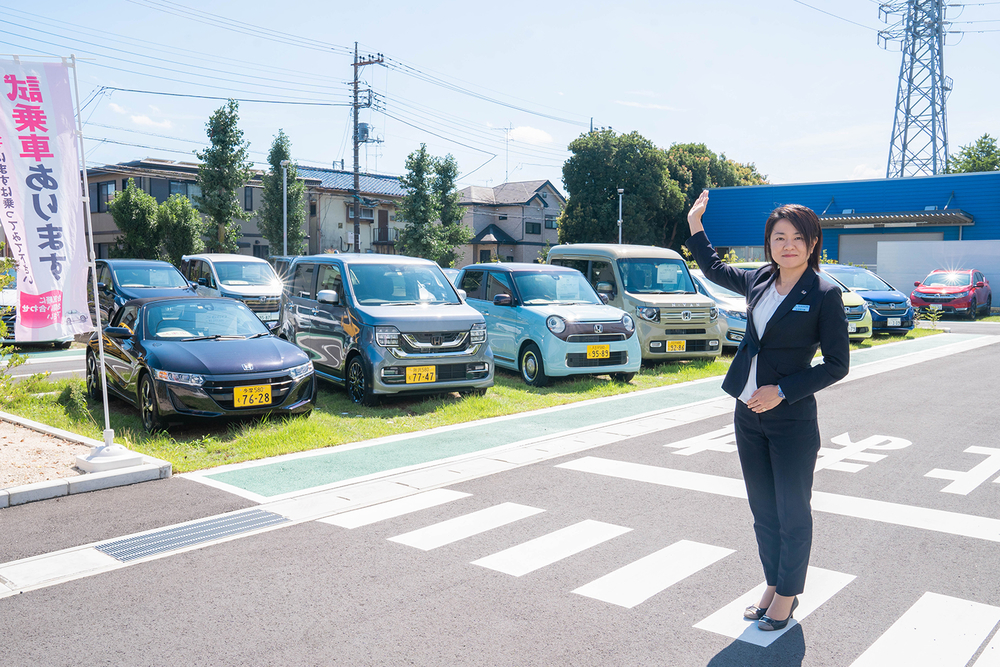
column 811, row 316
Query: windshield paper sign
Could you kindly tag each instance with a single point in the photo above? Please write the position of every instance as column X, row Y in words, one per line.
column 40, row 200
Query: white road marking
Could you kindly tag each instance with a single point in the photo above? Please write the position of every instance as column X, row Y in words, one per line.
column 461, row 527
column 937, row 630
column 821, row 585
column 53, row 567
column 394, row 508
column 965, row 482
column 721, row 440
column 833, row 459
column 548, row 549
column 952, row 523
column 990, row 656
column 652, row 574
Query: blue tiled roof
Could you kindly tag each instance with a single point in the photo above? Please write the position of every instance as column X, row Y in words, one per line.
column 372, row 184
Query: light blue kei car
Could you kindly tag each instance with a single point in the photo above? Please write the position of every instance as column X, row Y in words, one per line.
column 547, row 321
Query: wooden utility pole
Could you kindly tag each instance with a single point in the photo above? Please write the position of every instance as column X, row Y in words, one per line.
column 358, row 64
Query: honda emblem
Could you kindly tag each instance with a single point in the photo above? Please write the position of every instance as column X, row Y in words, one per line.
column 248, row 366
column 686, row 316
column 436, row 341
column 598, row 328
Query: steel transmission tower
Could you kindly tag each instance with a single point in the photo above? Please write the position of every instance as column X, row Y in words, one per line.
column 919, row 143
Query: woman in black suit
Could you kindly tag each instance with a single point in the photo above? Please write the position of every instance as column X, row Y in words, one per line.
column 790, row 313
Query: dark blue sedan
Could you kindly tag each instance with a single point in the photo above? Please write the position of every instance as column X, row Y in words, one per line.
column 179, row 357
column 891, row 309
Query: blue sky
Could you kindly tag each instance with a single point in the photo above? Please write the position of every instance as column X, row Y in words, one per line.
column 804, row 95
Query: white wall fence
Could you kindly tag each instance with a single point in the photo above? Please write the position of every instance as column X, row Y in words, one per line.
column 900, row 263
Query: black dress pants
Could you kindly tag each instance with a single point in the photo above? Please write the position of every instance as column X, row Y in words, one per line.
column 778, row 457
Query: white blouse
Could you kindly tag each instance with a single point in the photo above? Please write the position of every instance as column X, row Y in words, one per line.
column 762, row 313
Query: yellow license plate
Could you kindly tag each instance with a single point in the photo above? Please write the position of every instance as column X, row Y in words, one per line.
column 245, row 397
column 676, row 345
column 598, row 351
column 421, row 374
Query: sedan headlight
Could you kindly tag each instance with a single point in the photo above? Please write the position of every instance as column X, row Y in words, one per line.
column 628, row 323
column 649, row 314
column 555, row 324
column 733, row 314
column 179, row 378
column 387, row 336
column 302, row 371
column 478, row 333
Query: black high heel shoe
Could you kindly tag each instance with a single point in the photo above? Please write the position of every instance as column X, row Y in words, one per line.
column 754, row 613
column 767, row 623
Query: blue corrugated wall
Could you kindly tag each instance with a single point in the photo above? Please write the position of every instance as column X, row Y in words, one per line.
column 736, row 216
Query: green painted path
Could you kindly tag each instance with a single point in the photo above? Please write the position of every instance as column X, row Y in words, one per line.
column 298, row 473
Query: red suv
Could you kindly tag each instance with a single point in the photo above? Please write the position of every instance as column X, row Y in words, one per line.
column 962, row 292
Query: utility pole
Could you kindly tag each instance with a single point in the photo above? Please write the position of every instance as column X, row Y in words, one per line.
column 358, row 64
column 506, row 158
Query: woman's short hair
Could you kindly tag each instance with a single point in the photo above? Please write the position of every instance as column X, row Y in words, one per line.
column 805, row 220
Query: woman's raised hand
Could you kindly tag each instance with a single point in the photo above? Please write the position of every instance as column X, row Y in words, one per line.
column 697, row 210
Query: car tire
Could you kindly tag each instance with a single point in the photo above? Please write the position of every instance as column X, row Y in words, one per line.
column 93, row 378
column 532, row 367
column 624, row 378
column 973, row 309
column 989, row 306
column 148, row 409
column 359, row 384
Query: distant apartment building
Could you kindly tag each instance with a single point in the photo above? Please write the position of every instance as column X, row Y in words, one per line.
column 329, row 221
column 512, row 222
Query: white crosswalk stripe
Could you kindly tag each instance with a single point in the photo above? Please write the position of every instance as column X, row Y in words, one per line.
column 460, row 527
column 548, row 549
column 990, row 656
column 937, row 630
column 644, row 578
column 393, row 508
column 821, row 585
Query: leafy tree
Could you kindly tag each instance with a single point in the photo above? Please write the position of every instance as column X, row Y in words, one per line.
column 694, row 167
column 9, row 359
column 982, row 155
column 225, row 167
column 134, row 212
column 431, row 209
column 602, row 162
column 270, row 221
column 181, row 227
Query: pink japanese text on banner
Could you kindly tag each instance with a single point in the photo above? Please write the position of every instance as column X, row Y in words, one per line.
column 41, row 206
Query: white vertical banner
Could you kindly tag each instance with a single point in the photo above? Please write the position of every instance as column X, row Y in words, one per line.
column 41, row 205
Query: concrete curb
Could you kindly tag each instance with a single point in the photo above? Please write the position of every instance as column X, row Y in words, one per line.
column 151, row 468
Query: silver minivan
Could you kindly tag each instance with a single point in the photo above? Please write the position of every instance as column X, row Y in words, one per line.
column 248, row 279
column 385, row 324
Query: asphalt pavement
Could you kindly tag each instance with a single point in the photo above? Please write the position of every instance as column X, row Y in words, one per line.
column 593, row 544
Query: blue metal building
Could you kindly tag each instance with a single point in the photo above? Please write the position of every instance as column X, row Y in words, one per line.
column 856, row 215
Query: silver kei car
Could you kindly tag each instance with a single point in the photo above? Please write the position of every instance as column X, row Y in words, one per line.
column 384, row 324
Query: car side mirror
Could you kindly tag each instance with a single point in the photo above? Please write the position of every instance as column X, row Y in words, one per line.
column 101, row 287
column 916, row 283
column 604, row 298
column 605, row 287
column 273, row 325
column 329, row 296
column 202, row 281
column 502, row 300
column 980, row 284
column 462, row 294
column 118, row 332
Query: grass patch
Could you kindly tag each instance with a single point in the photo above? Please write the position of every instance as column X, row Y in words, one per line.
column 205, row 444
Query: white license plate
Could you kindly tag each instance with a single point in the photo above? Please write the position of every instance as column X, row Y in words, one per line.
column 894, row 322
column 852, row 327
column 267, row 317
column 935, row 306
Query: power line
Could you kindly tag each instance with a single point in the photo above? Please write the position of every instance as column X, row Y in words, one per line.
column 214, row 97
column 860, row 25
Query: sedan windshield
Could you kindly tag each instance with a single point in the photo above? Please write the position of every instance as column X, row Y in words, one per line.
column 717, row 291
column 389, row 285
column 201, row 319
column 149, row 276
column 948, row 279
column 655, row 276
column 554, row 287
column 829, row 280
column 246, row 274
column 860, row 280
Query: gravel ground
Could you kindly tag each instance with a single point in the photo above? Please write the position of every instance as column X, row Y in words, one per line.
column 27, row 456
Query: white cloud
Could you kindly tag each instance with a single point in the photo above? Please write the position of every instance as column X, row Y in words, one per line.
column 646, row 105
column 117, row 109
column 530, row 135
column 146, row 121
column 154, row 109
column 863, row 171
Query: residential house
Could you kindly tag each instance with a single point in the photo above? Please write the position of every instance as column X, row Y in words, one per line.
column 512, row 222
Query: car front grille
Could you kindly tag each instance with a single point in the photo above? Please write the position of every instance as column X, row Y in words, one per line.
column 595, row 338
column 890, row 309
column 434, row 342
column 268, row 304
column 580, row 360
column 221, row 391
column 674, row 315
column 442, row 373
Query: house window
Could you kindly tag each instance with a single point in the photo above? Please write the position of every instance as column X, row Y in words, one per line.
column 247, row 198
column 105, row 193
column 312, row 209
column 532, row 228
column 138, row 180
column 189, row 190
column 366, row 213
column 550, row 222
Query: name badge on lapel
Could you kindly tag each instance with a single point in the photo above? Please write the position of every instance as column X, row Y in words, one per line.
column 802, row 308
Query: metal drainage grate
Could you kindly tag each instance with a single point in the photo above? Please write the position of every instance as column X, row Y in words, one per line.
column 184, row 536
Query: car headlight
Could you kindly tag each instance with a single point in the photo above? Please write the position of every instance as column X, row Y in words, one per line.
column 713, row 313
column 960, row 295
column 649, row 314
column 628, row 323
column 179, row 378
column 555, row 324
column 477, row 334
column 908, row 304
column 733, row 314
column 302, row 371
column 387, row 336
